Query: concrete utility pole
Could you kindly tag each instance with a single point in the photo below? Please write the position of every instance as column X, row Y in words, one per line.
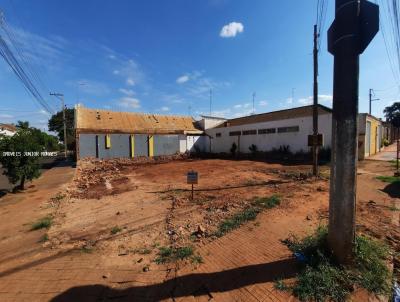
column 61, row 97
column 371, row 100
column 315, row 105
column 356, row 23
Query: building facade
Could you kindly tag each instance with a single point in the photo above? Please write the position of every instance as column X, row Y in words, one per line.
column 107, row 134
column 267, row 131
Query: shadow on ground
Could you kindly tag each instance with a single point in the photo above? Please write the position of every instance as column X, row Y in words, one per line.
column 393, row 189
column 201, row 284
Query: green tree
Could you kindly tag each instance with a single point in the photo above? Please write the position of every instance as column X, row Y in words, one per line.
column 56, row 124
column 392, row 114
column 19, row 165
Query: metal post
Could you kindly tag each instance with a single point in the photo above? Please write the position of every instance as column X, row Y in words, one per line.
column 192, row 192
column 315, row 105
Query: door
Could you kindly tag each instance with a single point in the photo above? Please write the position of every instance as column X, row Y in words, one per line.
column 368, row 139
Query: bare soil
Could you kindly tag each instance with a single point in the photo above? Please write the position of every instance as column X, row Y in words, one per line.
column 112, row 218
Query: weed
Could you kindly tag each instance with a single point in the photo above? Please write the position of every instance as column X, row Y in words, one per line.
column 169, row 254
column 267, row 202
column 389, row 179
column 280, row 285
column 44, row 238
column 43, row 223
column 394, row 208
column 197, row 259
column 115, row 230
column 320, row 278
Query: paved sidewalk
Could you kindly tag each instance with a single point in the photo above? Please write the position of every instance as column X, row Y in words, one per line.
column 389, row 153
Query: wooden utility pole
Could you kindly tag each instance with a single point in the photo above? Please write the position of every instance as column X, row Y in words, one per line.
column 356, row 23
column 315, row 104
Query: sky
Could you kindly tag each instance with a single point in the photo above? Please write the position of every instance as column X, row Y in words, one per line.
column 164, row 57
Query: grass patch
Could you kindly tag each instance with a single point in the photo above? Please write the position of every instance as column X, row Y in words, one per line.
column 389, row 179
column 321, row 279
column 169, row 254
column 42, row 223
column 115, row 230
column 248, row 214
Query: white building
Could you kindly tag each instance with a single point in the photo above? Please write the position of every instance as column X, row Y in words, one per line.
column 7, row 129
column 289, row 127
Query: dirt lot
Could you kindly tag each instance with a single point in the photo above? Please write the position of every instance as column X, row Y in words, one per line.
column 112, row 219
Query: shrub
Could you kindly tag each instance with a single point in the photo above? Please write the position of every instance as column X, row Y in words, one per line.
column 115, row 230
column 253, row 149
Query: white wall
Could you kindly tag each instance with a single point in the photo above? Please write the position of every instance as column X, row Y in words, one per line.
column 6, row 132
column 200, row 142
column 265, row 142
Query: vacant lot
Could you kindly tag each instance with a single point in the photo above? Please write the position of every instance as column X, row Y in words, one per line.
column 129, row 231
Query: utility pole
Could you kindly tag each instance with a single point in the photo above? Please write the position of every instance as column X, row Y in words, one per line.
column 371, row 100
column 61, row 97
column 356, row 23
column 315, row 105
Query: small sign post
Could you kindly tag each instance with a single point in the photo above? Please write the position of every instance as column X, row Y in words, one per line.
column 192, row 179
column 315, row 140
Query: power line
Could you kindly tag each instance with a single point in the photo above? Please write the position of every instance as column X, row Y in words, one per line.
column 19, row 70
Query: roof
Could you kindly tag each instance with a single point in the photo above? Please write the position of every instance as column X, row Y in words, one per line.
column 8, row 127
column 213, row 117
column 105, row 121
column 275, row 116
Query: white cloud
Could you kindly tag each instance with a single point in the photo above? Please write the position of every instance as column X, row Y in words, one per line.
column 112, row 57
column 116, row 72
column 128, row 92
column 182, row 79
column 130, row 82
column 128, row 102
column 231, row 30
column 8, row 116
column 238, row 106
column 164, row 108
column 262, row 103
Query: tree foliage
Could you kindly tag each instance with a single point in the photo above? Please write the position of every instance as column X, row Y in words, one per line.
column 17, row 163
column 392, row 114
column 56, row 124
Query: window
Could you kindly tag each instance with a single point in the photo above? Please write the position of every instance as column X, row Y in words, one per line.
column 249, row 132
column 267, row 131
column 218, row 134
column 108, row 141
column 234, row 133
column 288, row 129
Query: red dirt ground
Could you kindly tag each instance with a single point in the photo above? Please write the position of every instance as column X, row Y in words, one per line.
column 149, row 205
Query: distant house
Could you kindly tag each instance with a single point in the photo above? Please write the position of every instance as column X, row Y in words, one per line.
column 110, row 134
column 7, row 129
column 289, row 127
